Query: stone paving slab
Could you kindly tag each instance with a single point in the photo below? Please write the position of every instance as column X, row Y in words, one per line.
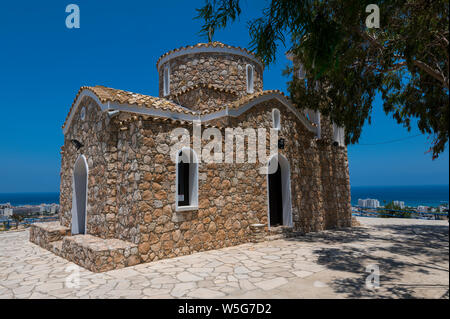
column 412, row 256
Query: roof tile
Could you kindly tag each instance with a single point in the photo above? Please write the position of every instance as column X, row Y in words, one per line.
column 106, row 94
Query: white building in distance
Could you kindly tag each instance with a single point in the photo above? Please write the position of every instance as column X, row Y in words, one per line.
column 422, row 209
column 399, row 204
column 6, row 212
column 368, row 203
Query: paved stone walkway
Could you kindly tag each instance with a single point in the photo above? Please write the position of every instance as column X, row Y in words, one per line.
column 412, row 257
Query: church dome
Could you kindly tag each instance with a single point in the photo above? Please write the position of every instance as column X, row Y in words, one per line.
column 212, row 66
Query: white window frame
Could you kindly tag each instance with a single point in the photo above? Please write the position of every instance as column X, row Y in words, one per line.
column 189, row 153
column 166, row 80
column 276, row 119
column 251, row 80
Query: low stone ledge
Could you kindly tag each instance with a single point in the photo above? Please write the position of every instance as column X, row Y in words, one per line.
column 98, row 254
column 43, row 234
column 258, row 232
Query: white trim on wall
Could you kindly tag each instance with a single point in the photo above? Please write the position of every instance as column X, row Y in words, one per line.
column 111, row 106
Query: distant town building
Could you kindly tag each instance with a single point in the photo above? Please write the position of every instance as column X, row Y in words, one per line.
column 6, row 212
column 422, row 209
column 399, row 204
column 5, row 205
column 26, row 210
column 443, row 209
column 369, row 203
column 49, row 208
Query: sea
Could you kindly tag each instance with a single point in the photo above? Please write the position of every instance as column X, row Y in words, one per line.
column 19, row 199
column 428, row 195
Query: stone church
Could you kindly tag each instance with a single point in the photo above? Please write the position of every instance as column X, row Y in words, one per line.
column 123, row 199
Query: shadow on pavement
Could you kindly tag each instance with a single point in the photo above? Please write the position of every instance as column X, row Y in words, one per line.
column 396, row 249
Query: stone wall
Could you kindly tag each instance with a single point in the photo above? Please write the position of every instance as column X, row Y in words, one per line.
column 319, row 171
column 43, row 234
column 99, row 255
column 226, row 71
column 146, row 198
column 99, row 138
column 131, row 194
column 204, row 98
column 231, row 196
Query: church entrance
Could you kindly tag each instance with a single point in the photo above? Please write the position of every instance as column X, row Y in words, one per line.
column 275, row 198
column 79, row 196
column 279, row 192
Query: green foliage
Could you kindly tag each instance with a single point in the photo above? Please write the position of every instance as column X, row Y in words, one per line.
column 17, row 218
column 391, row 209
column 406, row 59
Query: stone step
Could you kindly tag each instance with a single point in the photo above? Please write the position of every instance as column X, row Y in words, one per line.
column 43, row 234
column 98, row 254
column 280, row 230
column 274, row 237
column 290, row 234
column 56, row 247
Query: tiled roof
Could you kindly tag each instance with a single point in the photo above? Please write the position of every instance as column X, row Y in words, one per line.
column 243, row 101
column 248, row 98
column 251, row 97
column 204, row 85
column 214, row 44
column 105, row 94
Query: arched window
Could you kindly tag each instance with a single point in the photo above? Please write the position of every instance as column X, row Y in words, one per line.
column 338, row 135
column 276, row 123
column 187, row 180
column 83, row 114
column 249, row 78
column 166, row 80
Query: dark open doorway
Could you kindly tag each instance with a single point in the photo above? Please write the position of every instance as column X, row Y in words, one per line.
column 183, row 183
column 80, row 175
column 276, row 198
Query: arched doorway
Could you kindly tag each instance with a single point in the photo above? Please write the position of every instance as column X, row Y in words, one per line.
column 279, row 192
column 79, row 195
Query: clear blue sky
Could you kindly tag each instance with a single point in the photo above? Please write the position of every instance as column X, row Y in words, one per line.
column 43, row 64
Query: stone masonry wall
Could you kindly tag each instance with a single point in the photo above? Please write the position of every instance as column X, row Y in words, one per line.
column 99, row 139
column 204, row 98
column 320, row 200
column 225, row 71
column 231, row 196
column 146, row 196
column 131, row 194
